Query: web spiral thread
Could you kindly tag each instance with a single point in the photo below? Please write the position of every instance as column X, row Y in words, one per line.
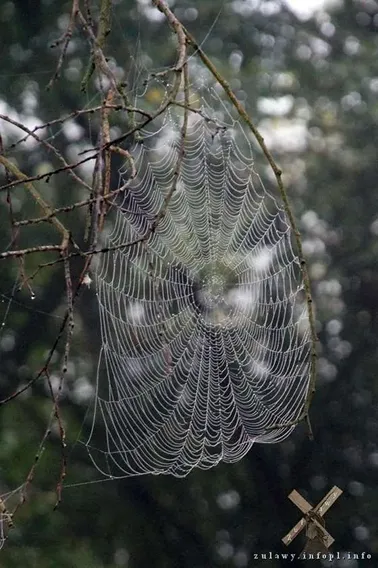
column 205, row 334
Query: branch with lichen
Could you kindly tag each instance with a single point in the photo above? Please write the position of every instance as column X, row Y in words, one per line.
column 103, row 30
column 46, row 208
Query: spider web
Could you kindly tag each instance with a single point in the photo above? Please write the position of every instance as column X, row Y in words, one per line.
column 205, row 334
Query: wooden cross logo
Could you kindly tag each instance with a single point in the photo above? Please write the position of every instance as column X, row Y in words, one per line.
column 313, row 519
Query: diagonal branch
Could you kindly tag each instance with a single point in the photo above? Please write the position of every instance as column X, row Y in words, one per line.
column 10, row 166
column 180, row 30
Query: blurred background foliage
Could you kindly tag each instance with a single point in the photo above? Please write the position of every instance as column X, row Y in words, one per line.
column 310, row 82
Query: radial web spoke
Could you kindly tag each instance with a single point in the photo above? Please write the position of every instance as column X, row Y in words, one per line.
column 205, row 332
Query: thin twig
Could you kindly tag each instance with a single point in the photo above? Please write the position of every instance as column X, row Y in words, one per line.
column 103, row 30
column 62, row 435
column 70, row 328
column 31, row 250
column 98, row 54
column 49, row 147
column 178, row 30
column 37, row 457
column 60, row 332
column 37, row 197
column 14, row 230
column 105, row 127
column 77, row 205
column 75, row 114
column 65, row 39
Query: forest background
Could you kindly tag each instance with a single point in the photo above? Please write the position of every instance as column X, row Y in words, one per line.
column 310, row 83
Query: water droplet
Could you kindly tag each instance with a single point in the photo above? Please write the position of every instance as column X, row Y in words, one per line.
column 32, row 296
